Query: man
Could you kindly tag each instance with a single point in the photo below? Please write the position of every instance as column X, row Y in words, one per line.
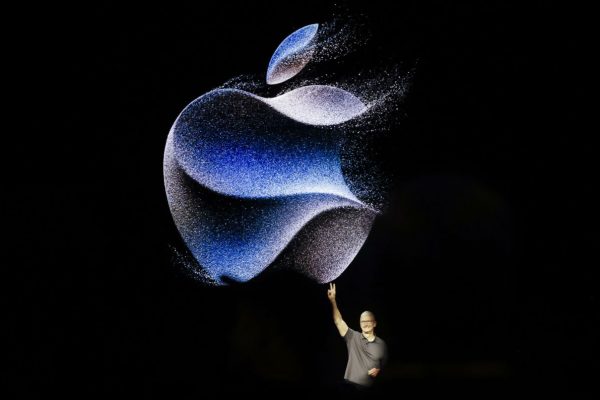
column 367, row 353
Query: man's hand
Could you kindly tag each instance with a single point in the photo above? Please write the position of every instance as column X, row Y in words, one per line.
column 374, row 372
column 337, row 316
column 331, row 292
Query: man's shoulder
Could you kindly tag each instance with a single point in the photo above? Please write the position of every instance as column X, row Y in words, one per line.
column 350, row 333
column 380, row 340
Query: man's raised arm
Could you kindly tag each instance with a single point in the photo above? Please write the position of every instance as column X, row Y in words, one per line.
column 337, row 316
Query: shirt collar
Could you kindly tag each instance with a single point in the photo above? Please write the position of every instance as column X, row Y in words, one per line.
column 364, row 338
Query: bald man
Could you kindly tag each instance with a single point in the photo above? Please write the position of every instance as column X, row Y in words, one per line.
column 367, row 353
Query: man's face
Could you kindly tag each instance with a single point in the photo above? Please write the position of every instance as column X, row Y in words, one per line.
column 367, row 323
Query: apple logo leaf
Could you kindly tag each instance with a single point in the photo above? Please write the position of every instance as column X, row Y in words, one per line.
column 292, row 55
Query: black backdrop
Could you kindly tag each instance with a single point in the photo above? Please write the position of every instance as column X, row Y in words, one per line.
column 476, row 271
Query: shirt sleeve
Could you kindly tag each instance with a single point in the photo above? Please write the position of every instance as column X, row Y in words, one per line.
column 349, row 334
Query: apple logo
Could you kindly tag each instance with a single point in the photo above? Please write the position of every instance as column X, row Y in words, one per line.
column 247, row 177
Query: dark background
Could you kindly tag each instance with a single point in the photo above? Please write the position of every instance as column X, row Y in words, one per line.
column 478, row 271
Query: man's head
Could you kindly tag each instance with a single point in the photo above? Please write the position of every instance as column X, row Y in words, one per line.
column 367, row 322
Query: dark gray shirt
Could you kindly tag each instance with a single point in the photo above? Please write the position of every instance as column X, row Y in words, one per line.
column 362, row 356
